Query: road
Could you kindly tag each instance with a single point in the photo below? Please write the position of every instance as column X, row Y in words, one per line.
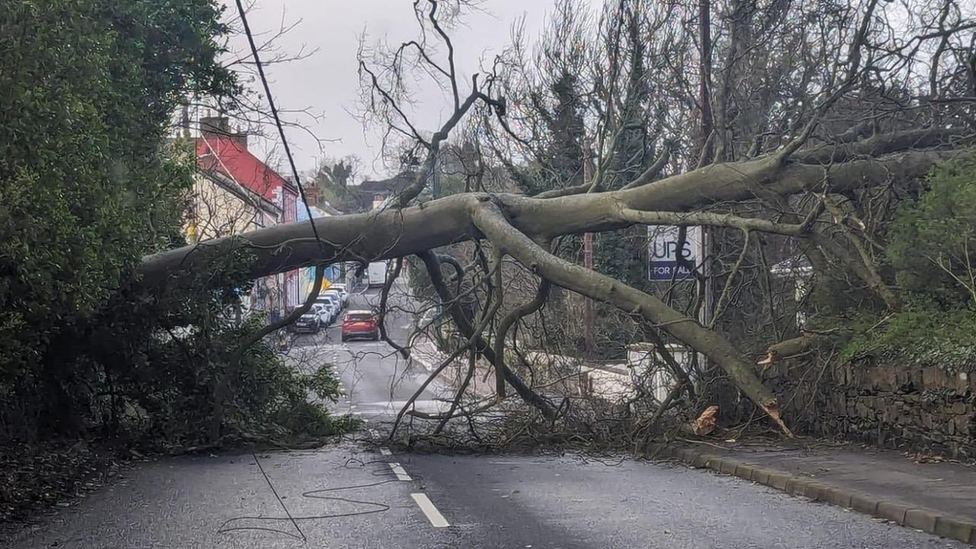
column 357, row 494
column 344, row 497
column 376, row 381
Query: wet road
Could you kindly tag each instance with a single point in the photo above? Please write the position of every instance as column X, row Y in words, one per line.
column 345, row 497
column 375, row 379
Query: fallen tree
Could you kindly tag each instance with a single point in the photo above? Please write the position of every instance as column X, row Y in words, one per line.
column 520, row 222
column 785, row 183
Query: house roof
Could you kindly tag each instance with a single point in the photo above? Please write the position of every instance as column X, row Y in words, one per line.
column 390, row 185
column 242, row 193
column 228, row 156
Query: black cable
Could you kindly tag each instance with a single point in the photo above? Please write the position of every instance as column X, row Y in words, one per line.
column 228, row 525
column 281, row 129
column 275, row 492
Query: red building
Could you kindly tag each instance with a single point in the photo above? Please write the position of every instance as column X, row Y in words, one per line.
column 221, row 149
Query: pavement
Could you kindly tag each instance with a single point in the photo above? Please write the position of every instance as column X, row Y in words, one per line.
column 926, row 493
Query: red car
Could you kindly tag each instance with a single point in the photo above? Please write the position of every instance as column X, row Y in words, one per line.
column 360, row 324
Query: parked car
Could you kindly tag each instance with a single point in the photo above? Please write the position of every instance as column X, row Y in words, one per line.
column 326, row 312
column 340, row 293
column 343, row 294
column 331, row 300
column 310, row 322
column 332, row 296
column 360, row 324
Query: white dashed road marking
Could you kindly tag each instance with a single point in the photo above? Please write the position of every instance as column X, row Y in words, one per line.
column 399, row 472
column 386, row 451
column 435, row 517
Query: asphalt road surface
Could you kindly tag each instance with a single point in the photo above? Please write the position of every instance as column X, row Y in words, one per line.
column 345, row 497
column 360, row 495
column 375, row 379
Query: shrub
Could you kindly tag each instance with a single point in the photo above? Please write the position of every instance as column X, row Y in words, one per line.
column 89, row 184
column 933, row 239
column 932, row 249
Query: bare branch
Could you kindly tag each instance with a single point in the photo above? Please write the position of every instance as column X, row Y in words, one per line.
column 506, row 324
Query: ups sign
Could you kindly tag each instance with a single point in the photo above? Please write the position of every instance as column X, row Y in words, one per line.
column 663, row 253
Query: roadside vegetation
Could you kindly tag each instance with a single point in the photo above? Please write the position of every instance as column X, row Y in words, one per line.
column 931, row 254
column 90, row 182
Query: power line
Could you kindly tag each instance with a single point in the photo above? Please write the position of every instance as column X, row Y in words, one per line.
column 281, row 129
column 280, row 501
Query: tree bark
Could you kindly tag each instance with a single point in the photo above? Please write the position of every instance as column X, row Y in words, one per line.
column 400, row 232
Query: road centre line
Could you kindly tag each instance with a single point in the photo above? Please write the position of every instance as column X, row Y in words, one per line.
column 399, row 472
column 435, row 517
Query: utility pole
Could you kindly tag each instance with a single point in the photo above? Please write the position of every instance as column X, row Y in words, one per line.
column 589, row 340
column 435, row 191
column 706, row 126
column 708, row 143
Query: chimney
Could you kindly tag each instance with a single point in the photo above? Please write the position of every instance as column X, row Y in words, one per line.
column 219, row 126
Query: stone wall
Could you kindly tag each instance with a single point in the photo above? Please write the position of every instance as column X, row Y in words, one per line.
column 916, row 408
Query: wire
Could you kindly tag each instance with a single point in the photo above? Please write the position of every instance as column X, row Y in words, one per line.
column 277, row 119
column 275, row 492
column 229, row 525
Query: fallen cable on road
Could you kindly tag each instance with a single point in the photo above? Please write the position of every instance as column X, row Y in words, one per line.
column 231, row 525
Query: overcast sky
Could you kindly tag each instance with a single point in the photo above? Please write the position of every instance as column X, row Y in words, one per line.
column 327, row 83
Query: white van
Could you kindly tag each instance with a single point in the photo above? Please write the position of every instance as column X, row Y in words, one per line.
column 377, row 273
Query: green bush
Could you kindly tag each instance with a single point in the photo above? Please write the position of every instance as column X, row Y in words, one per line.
column 932, row 250
column 87, row 88
column 933, row 239
column 920, row 335
column 89, row 183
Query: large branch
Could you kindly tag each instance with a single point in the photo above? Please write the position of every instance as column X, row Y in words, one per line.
column 506, row 324
column 592, row 284
column 793, row 347
column 471, row 336
column 882, row 144
column 725, row 182
column 653, row 170
column 399, row 232
column 381, row 313
column 693, row 219
column 424, row 174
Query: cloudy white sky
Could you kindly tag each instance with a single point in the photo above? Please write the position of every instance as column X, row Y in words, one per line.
column 327, row 83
